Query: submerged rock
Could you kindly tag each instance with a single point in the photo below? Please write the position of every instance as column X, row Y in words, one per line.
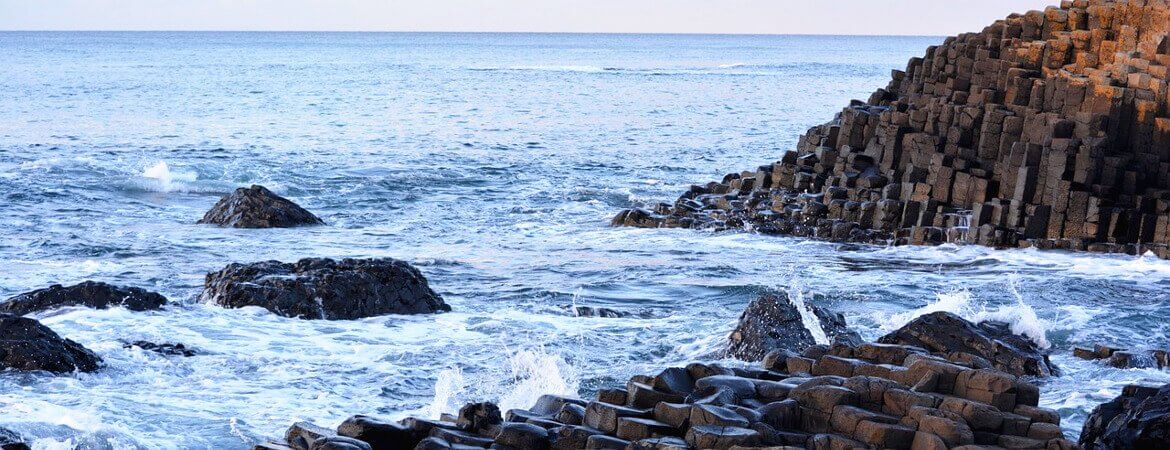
column 1125, row 359
column 946, row 333
column 92, row 294
column 27, row 345
column 11, row 441
column 319, row 288
column 164, row 349
column 257, row 207
column 773, row 322
column 1138, row 419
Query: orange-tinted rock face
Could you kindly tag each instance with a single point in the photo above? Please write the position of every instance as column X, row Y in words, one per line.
column 1048, row 129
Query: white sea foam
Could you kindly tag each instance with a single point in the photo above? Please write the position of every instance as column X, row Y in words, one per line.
column 807, row 316
column 166, row 180
column 537, row 373
column 449, row 385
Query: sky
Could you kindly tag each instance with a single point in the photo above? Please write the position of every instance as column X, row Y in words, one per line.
column 856, row 17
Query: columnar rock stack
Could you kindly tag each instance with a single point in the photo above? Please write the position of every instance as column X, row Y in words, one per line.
column 841, row 397
column 1047, row 129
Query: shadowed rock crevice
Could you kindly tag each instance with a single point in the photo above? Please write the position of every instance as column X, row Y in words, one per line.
column 318, row 288
column 257, row 207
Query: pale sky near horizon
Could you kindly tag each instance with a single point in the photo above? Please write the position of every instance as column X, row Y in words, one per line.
column 864, row 17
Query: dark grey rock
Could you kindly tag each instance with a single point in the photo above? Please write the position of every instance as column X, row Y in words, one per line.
column 92, row 294
column 27, row 345
column 257, row 207
column 325, row 289
column 945, row 333
column 772, row 322
column 1138, row 419
column 164, row 349
column 9, row 440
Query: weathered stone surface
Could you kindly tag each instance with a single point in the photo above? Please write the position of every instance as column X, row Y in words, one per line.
column 1137, row 419
column 90, row 294
column 257, row 207
column 1043, row 130
column 379, row 434
column 27, row 345
column 319, row 288
column 945, row 333
column 774, row 322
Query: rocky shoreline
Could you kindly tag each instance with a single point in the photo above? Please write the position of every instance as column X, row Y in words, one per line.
column 1048, row 129
column 965, row 386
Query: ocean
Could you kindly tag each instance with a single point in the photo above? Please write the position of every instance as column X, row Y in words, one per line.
column 494, row 163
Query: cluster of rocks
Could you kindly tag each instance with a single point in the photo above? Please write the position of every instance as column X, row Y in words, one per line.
column 1048, row 129
column 310, row 289
column 959, row 385
column 869, row 396
column 1125, row 359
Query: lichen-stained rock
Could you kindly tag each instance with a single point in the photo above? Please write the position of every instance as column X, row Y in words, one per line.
column 946, row 333
column 1137, row 419
column 27, row 345
column 774, row 322
column 258, row 207
column 318, row 288
column 1047, row 130
column 91, row 294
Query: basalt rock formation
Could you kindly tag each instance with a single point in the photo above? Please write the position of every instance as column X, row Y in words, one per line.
column 774, row 322
column 986, row 344
column 1048, row 129
column 257, row 207
column 1125, row 359
column 91, row 294
column 846, row 397
column 317, row 288
column 27, row 345
column 1139, row 419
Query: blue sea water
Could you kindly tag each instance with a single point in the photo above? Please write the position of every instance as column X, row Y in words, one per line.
column 491, row 161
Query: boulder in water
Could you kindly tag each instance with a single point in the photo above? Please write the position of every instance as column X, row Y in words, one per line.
column 946, row 333
column 774, row 322
column 320, row 288
column 1138, row 419
column 258, row 207
column 27, row 345
column 92, row 294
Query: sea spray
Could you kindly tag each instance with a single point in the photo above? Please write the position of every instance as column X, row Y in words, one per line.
column 449, row 385
column 807, row 316
column 167, row 180
column 537, row 373
column 1019, row 315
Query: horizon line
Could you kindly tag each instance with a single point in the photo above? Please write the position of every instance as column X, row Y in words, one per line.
column 645, row 33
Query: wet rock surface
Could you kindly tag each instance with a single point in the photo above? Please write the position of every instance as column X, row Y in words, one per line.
column 258, row 207
column 989, row 343
column 91, row 294
column 318, row 288
column 1047, row 129
column 163, row 349
column 1137, row 419
column 839, row 397
column 774, row 322
column 11, row 441
column 27, row 345
column 1125, row 359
